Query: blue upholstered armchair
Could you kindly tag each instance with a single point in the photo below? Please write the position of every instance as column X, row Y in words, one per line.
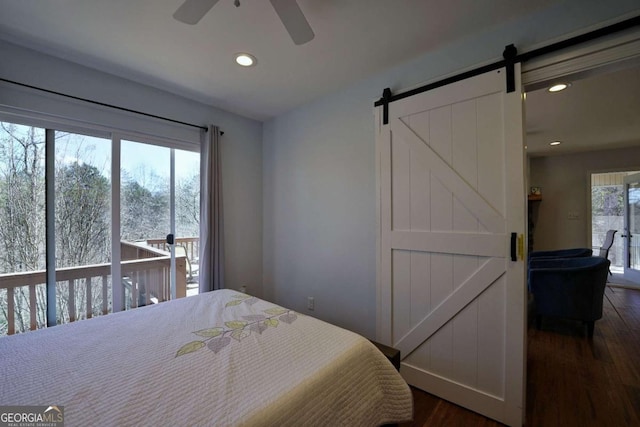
column 570, row 288
column 562, row 253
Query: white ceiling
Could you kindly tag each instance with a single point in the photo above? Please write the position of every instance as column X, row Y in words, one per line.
column 141, row 41
column 596, row 112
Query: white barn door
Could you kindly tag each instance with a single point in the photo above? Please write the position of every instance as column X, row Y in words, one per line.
column 451, row 192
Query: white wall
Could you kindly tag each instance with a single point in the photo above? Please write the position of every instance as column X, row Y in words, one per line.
column 241, row 143
column 319, row 172
column 566, row 184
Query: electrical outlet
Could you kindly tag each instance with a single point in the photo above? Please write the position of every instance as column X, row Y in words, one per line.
column 243, row 289
column 311, row 303
column 573, row 215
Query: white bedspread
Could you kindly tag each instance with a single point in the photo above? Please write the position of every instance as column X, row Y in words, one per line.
column 221, row 358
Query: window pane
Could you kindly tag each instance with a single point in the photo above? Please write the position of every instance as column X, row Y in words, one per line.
column 22, row 228
column 634, row 225
column 144, row 222
column 144, row 199
column 188, row 213
column 82, row 225
column 607, row 213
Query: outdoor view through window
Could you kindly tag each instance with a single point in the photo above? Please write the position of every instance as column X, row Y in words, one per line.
column 84, row 228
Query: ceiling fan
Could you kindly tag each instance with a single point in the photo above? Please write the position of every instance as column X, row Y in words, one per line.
column 192, row 11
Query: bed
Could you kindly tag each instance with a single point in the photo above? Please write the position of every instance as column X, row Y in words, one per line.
column 221, row 358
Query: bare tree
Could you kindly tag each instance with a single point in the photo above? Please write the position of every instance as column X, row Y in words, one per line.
column 82, row 217
column 22, row 198
column 22, row 204
column 144, row 209
column 188, row 206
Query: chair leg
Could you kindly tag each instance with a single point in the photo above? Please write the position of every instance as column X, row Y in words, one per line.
column 590, row 328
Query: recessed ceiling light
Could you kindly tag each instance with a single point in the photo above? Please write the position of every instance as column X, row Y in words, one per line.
column 245, row 59
column 555, row 143
column 558, row 87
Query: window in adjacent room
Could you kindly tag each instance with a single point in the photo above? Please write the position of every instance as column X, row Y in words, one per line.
column 607, row 213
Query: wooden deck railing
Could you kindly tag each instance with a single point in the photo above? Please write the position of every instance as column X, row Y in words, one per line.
column 140, row 250
column 85, row 291
column 191, row 244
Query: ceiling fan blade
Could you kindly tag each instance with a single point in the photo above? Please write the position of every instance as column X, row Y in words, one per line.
column 192, row 11
column 293, row 20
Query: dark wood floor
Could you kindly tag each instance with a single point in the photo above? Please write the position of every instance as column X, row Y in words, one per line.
column 571, row 381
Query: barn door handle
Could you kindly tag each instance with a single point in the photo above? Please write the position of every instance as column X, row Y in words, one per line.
column 517, row 247
column 521, row 247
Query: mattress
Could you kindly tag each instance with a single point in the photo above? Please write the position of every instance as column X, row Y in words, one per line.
column 221, row 358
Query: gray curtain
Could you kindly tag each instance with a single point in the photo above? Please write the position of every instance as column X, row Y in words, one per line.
column 211, row 238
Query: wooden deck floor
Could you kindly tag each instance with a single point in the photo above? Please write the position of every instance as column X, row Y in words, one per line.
column 571, row 381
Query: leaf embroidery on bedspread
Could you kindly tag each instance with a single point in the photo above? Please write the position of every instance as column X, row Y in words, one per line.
column 242, row 298
column 271, row 322
column 232, row 303
column 236, row 324
column 210, row 333
column 217, row 338
column 190, row 347
column 276, row 310
column 218, row 344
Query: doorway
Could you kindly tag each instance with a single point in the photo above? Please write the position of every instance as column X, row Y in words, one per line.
column 631, row 263
column 608, row 209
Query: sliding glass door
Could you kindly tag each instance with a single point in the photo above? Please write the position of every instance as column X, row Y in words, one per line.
column 145, row 221
column 80, row 209
column 632, row 228
column 159, row 222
